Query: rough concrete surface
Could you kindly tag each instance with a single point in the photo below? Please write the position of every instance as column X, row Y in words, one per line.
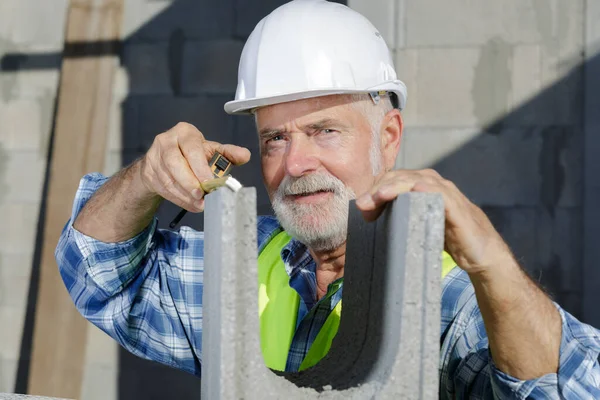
column 388, row 343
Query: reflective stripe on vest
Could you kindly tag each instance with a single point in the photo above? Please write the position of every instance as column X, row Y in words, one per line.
column 278, row 309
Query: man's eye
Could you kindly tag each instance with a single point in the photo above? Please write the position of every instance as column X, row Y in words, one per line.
column 275, row 138
column 327, row 130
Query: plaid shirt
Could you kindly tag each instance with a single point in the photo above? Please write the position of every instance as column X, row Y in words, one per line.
column 146, row 293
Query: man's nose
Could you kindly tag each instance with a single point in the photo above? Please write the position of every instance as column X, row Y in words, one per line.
column 301, row 158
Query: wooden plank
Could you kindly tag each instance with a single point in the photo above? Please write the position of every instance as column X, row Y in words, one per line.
column 79, row 145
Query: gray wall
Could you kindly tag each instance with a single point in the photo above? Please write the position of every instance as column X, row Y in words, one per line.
column 26, row 110
column 503, row 99
column 496, row 97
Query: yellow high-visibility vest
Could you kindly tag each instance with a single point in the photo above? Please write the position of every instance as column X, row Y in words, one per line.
column 278, row 309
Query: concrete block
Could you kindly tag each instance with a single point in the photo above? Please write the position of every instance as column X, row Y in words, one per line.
column 400, row 21
column 139, row 13
column 463, row 22
column 18, row 228
column 569, row 23
column 14, row 288
column 400, row 255
column 8, row 374
column 407, row 67
column 24, row 176
column 211, row 66
column 31, row 84
column 101, row 350
column 26, row 123
column 562, row 32
column 548, row 245
column 146, row 20
column 561, row 166
column 442, row 96
column 560, row 249
column 495, row 170
column 248, row 13
column 29, row 81
column 518, row 227
column 148, row 67
column 384, row 15
column 100, row 383
column 11, row 320
column 145, row 117
column 28, row 21
column 15, row 270
column 544, row 91
column 16, row 265
column 561, row 102
column 526, row 74
column 426, row 147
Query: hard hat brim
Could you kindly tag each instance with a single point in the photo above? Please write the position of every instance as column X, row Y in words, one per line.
column 246, row 106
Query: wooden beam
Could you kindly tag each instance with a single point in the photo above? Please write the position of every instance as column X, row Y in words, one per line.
column 80, row 136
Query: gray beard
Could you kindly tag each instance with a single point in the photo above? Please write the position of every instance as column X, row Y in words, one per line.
column 322, row 227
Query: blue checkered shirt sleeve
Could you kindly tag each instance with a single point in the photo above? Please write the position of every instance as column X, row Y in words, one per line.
column 145, row 292
column 467, row 370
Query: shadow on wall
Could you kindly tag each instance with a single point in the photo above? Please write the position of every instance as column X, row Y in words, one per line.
column 525, row 168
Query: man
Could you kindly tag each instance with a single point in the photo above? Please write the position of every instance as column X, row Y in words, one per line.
column 320, row 82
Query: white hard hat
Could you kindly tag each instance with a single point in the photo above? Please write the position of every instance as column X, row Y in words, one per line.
column 311, row 48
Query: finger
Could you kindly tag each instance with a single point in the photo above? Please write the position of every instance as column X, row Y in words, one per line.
column 180, row 172
column 192, row 147
column 448, row 195
column 176, row 194
column 383, row 193
column 372, row 215
column 236, row 154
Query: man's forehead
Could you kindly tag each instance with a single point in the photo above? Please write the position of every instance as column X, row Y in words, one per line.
column 332, row 108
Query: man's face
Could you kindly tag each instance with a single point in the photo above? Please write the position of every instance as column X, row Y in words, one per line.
column 315, row 158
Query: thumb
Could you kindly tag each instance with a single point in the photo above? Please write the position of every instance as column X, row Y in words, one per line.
column 236, row 154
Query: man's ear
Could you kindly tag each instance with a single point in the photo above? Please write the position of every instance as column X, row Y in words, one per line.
column 391, row 136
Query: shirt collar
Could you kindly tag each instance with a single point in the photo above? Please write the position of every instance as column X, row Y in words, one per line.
column 295, row 255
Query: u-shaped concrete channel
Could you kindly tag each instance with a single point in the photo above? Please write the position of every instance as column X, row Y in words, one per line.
column 387, row 346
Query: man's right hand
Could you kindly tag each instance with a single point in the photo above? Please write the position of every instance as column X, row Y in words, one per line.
column 177, row 162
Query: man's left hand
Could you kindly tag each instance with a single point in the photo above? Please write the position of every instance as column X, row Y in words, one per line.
column 470, row 237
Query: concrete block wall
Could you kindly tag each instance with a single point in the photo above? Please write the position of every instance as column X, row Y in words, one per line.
column 26, row 109
column 495, row 95
column 495, row 104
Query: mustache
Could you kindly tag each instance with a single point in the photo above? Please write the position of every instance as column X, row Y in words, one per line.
column 316, row 182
